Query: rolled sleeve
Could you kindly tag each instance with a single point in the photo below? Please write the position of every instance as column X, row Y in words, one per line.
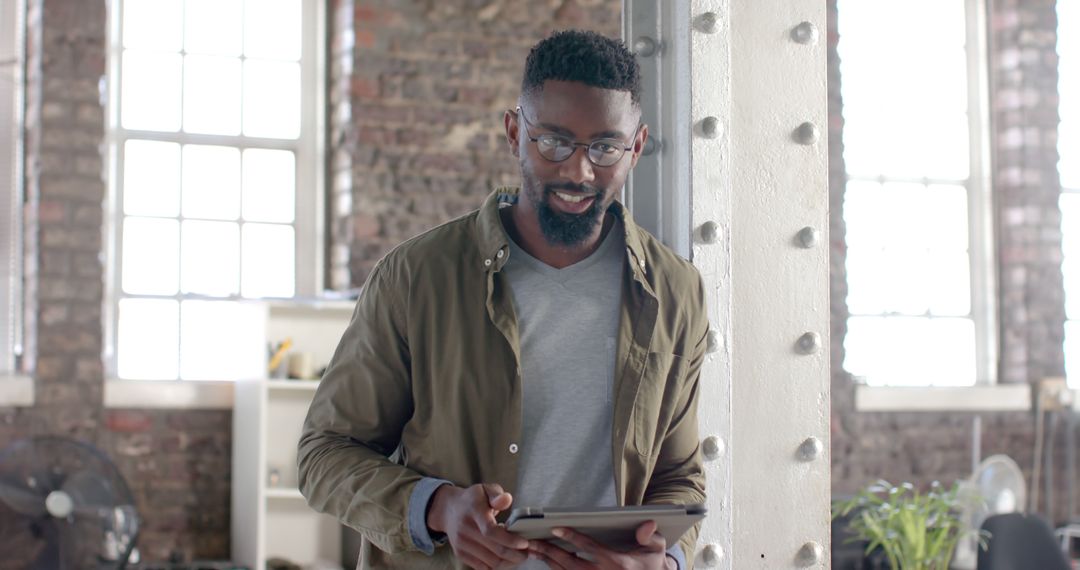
column 418, row 505
column 677, row 554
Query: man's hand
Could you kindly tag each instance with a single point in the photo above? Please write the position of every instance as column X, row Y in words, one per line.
column 467, row 517
column 650, row 555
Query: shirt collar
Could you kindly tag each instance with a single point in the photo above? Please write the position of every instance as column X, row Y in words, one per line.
column 494, row 243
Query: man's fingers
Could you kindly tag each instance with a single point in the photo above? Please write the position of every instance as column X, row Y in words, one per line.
column 646, row 534
column 580, row 540
column 555, row 556
column 475, row 549
column 497, row 497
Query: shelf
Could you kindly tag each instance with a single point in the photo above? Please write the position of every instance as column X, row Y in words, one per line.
column 283, row 493
column 301, row 385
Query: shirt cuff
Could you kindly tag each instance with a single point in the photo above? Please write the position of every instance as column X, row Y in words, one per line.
column 418, row 506
column 677, row 554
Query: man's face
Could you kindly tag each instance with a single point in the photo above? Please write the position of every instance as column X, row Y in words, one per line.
column 569, row 197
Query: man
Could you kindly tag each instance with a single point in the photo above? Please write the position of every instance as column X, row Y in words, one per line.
column 541, row 351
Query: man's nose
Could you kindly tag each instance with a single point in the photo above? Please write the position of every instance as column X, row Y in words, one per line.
column 577, row 168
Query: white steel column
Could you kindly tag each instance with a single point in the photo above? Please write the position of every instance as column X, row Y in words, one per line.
column 755, row 184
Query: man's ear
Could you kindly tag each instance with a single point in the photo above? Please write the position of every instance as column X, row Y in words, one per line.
column 639, row 144
column 510, row 123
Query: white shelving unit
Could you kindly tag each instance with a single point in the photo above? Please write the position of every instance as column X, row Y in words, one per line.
column 274, row 520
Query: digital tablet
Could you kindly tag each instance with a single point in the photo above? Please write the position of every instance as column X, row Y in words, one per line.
column 612, row 526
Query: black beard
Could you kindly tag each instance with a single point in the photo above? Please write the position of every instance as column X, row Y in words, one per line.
column 568, row 229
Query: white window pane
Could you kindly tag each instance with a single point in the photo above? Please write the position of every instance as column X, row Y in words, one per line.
column 950, row 284
column 1070, row 230
column 151, row 251
column 151, row 178
column 269, row 185
column 1069, row 150
column 903, row 211
column 150, row 94
column 152, row 24
column 906, row 277
column 271, row 99
column 213, row 27
column 909, row 351
column 222, row 340
column 268, row 261
column 863, row 210
column 272, row 29
column 866, row 281
column 946, row 153
column 211, row 182
column 946, row 214
column 212, row 95
column 1072, row 353
column 897, row 91
column 210, row 258
column 148, row 338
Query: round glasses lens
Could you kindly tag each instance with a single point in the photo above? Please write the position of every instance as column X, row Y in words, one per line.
column 554, row 148
column 605, row 153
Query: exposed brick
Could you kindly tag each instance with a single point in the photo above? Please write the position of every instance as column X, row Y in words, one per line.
column 128, row 421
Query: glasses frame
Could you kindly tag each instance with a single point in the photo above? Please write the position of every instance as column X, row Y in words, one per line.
column 616, row 143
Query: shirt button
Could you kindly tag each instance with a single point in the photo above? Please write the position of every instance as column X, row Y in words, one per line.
column 641, row 262
column 513, row 448
column 500, row 254
column 487, row 263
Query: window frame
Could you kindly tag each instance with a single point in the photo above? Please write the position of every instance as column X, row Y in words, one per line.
column 12, row 111
column 1074, row 193
column 983, row 285
column 309, row 223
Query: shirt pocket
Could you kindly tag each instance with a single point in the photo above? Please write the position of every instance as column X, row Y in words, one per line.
column 653, row 403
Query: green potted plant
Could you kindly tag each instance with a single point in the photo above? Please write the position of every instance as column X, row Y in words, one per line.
column 916, row 531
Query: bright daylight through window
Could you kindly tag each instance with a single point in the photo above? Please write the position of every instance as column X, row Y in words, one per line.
column 1069, row 167
column 209, row 141
column 914, row 314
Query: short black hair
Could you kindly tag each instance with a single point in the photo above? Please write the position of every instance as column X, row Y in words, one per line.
column 583, row 56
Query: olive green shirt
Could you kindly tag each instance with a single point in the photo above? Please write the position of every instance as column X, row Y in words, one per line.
column 429, row 367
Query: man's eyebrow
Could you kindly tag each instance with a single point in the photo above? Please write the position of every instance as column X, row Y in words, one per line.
column 609, row 134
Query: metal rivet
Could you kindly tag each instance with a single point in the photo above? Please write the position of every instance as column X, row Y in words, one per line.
column 513, row 448
column 807, row 133
column 487, row 263
column 651, row 145
column 805, row 33
column 808, row 237
column 709, row 232
column 645, row 46
column 810, row 449
column 709, row 127
column 808, row 343
column 707, row 23
column 711, row 555
column 810, row 554
column 500, row 254
column 712, row 447
column 713, row 341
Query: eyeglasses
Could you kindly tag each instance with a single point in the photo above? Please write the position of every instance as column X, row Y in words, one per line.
column 557, row 148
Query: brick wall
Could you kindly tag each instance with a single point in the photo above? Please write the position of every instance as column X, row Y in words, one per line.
column 922, row 447
column 177, row 462
column 1027, row 188
column 427, row 88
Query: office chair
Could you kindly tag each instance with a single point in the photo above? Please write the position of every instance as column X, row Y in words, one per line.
column 1021, row 542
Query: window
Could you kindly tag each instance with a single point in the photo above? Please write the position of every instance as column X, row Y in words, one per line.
column 916, row 205
column 215, row 188
column 1069, row 167
column 11, row 185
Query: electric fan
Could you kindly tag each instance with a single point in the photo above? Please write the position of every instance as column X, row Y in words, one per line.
column 64, row 505
column 996, row 487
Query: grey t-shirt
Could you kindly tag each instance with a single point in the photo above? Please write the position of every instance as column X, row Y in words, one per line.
column 567, row 320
